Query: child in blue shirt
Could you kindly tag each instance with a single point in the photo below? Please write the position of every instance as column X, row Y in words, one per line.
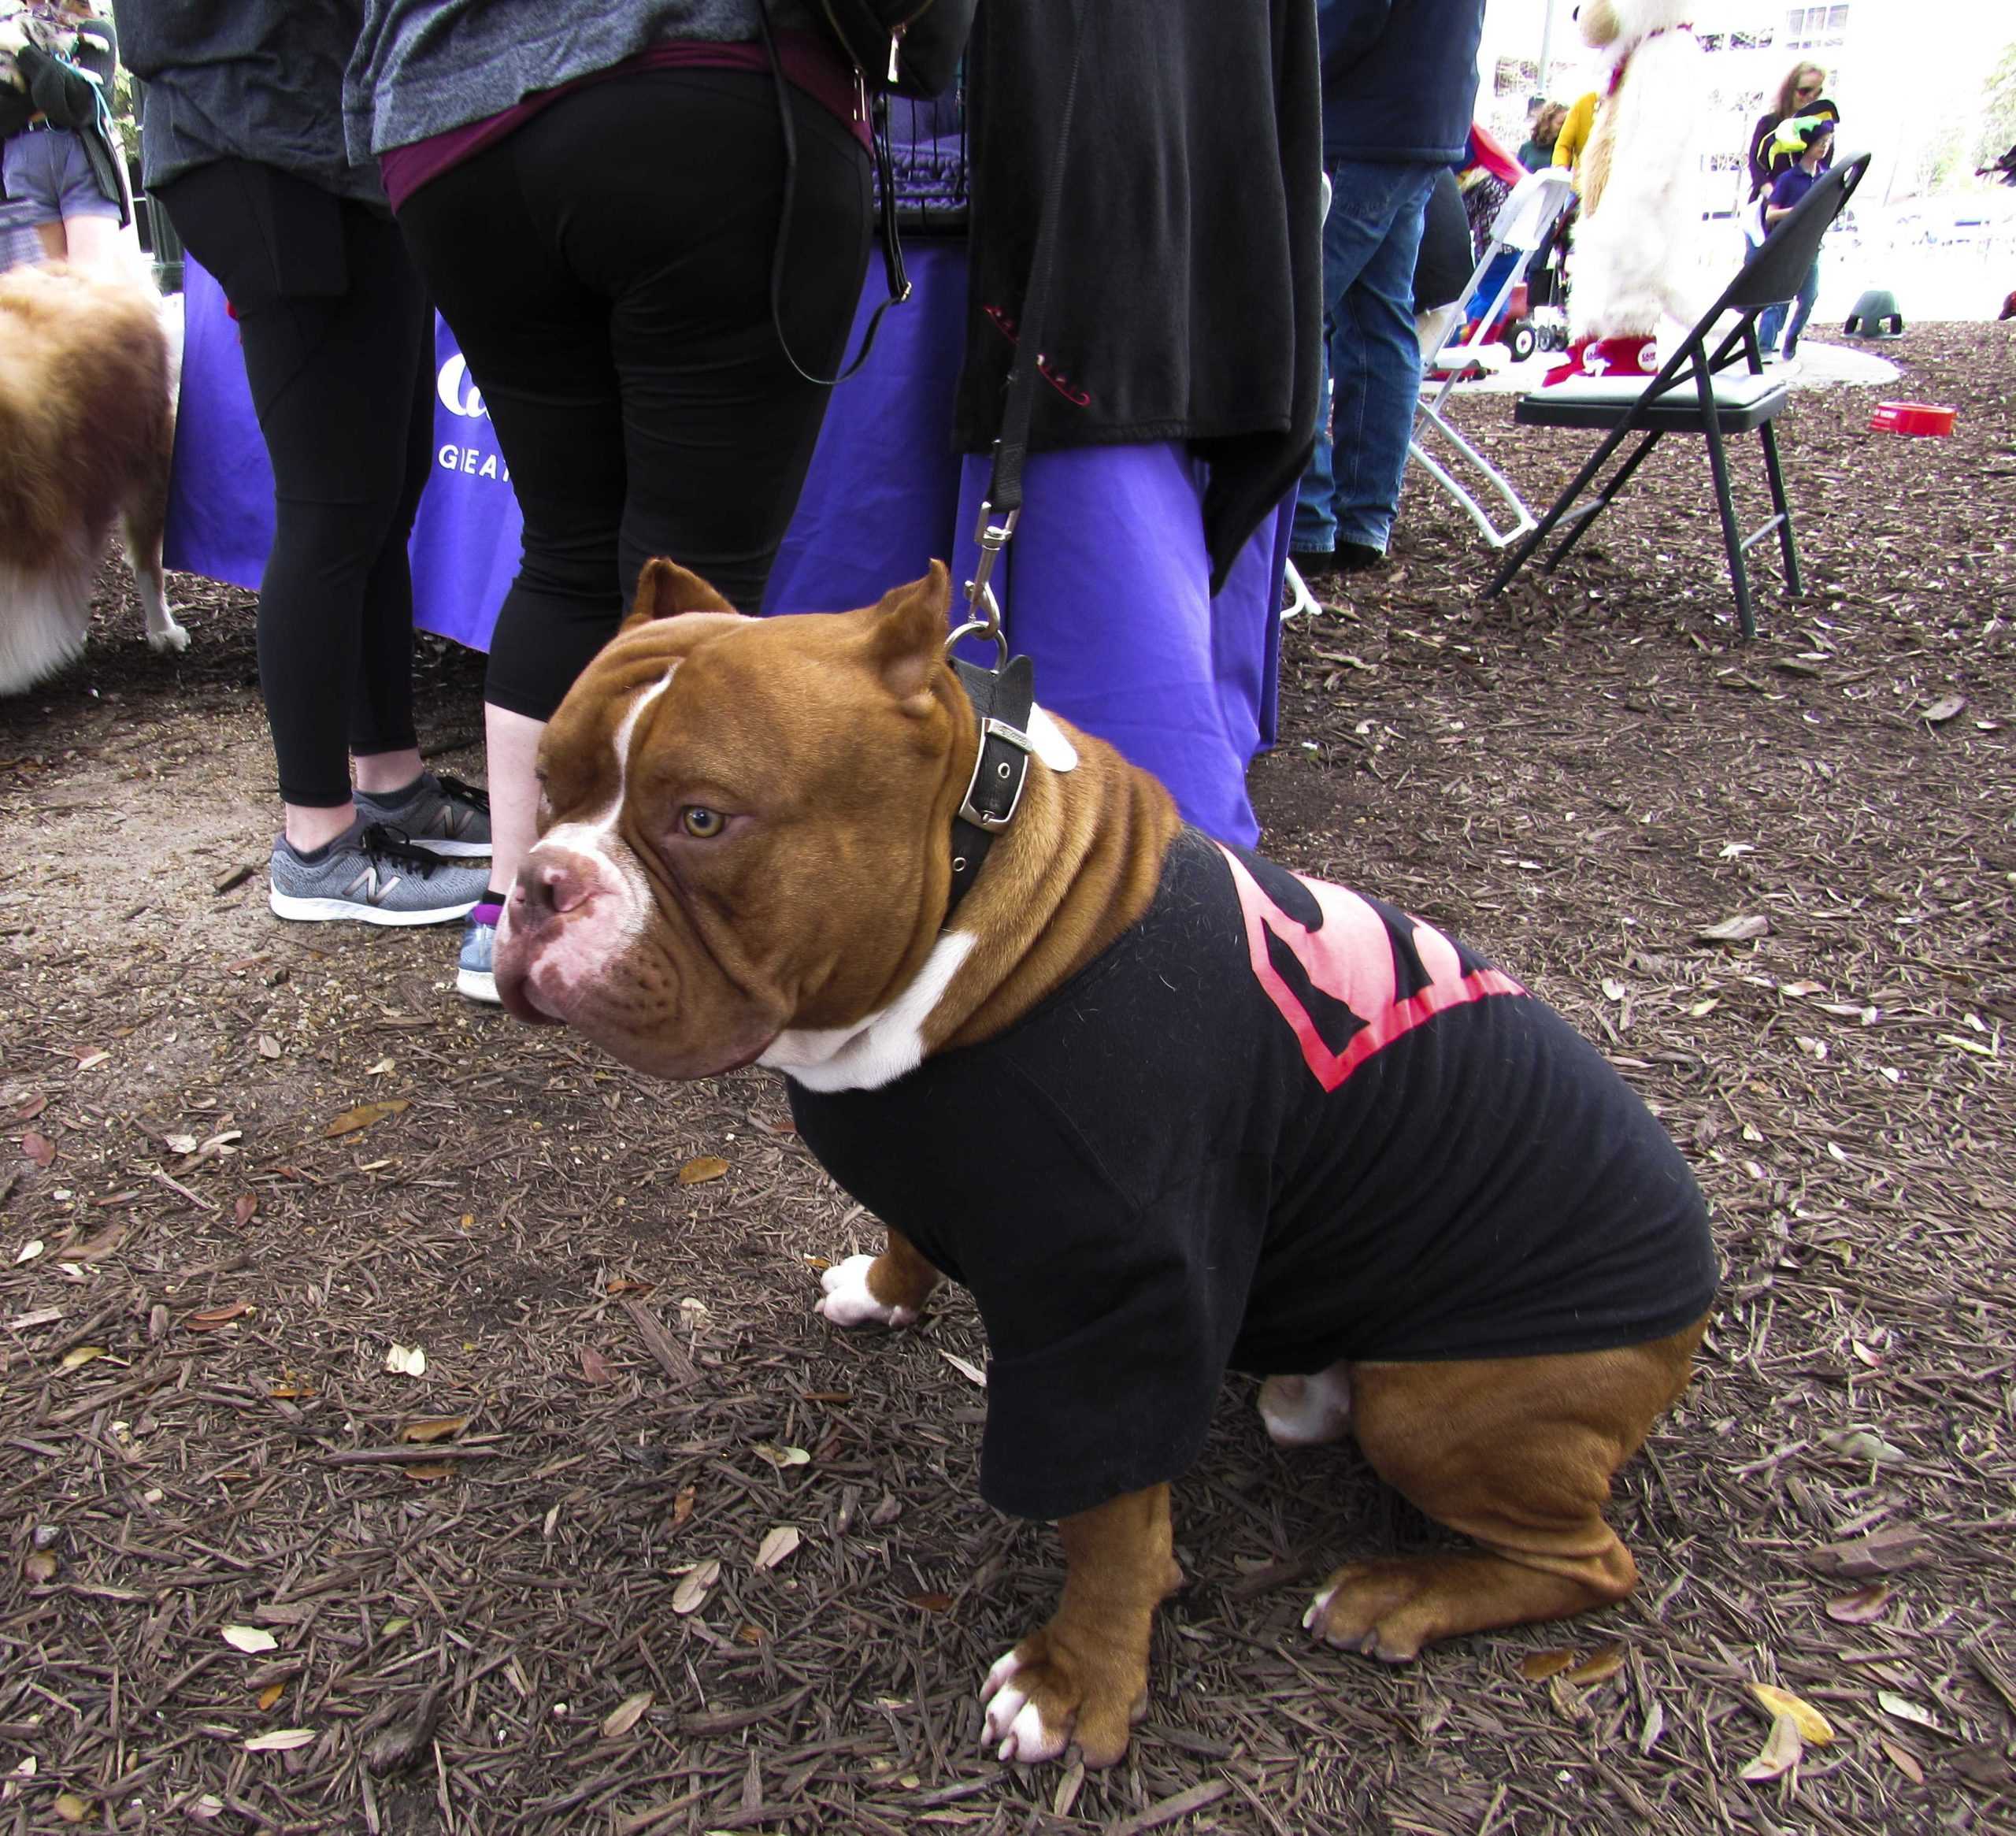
column 1786, row 190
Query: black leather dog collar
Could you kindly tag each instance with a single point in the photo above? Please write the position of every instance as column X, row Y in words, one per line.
column 1002, row 701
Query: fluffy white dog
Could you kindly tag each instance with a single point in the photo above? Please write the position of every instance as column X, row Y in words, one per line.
column 1639, row 247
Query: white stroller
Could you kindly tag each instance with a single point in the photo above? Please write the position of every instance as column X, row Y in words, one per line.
column 1522, row 224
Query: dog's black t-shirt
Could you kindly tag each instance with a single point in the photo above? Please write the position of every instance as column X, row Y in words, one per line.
column 1276, row 1124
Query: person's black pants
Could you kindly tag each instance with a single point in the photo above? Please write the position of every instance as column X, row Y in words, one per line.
column 338, row 351
column 606, row 268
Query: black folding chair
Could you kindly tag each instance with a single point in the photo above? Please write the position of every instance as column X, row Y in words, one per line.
column 1730, row 393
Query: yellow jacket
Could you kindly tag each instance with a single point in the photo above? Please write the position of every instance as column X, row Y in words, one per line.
column 1574, row 136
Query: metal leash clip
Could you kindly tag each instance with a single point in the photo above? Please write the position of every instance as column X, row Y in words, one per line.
column 992, row 538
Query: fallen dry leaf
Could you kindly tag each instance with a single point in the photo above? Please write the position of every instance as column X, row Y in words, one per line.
column 970, row 1371
column 246, row 1204
column 436, row 1428
column 40, row 1567
column 1739, row 929
column 705, row 1166
column 1944, row 709
column 364, row 1115
column 79, row 1355
column 594, row 1367
column 1904, row 1759
column 428, row 1472
column 932, row 1603
column 282, row 1740
column 70, row 1808
column 682, row 1506
column 38, row 1148
column 1595, row 1667
column 1864, row 1604
column 1813, row 1727
column 271, row 1694
column 100, row 1246
column 408, row 1360
column 32, row 1107
column 211, row 1318
column 686, row 1598
column 1882, row 1552
column 1904, row 1709
column 1536, row 1667
column 30, row 1250
column 1567, row 1699
column 1780, row 1753
column 626, row 1715
column 777, row 1546
column 251, row 1639
column 783, row 1456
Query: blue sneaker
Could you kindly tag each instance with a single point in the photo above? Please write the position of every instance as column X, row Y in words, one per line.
column 441, row 813
column 476, row 975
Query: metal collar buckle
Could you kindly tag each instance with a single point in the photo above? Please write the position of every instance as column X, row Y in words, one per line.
column 1006, row 771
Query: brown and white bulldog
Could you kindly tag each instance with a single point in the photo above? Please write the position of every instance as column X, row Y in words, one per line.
column 1166, row 1108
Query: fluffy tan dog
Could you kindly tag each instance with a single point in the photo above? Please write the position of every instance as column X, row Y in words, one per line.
column 86, row 431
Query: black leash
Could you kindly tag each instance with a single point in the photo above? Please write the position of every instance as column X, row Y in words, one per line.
column 1004, row 697
column 876, row 112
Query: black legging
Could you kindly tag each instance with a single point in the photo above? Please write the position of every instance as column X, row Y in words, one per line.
column 338, row 345
column 606, row 271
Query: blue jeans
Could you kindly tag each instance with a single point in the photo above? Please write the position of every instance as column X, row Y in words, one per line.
column 1372, row 357
column 1772, row 320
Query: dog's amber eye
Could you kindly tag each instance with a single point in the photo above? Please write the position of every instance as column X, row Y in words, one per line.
column 702, row 825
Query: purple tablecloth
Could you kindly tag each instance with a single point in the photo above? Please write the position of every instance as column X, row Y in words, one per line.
column 1104, row 579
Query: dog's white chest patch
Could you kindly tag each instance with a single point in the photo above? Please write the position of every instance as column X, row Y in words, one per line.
column 882, row 1048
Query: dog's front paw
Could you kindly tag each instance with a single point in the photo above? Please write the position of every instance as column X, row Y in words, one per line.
column 848, row 1302
column 1039, row 1698
column 166, row 635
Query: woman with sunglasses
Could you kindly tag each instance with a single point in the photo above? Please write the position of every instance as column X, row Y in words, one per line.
column 1800, row 98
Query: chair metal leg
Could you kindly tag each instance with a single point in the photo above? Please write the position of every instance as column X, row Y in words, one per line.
column 1607, row 496
column 1780, row 504
column 1558, row 508
column 1731, row 536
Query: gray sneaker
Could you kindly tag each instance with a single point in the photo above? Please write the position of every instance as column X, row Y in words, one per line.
column 375, row 873
column 439, row 812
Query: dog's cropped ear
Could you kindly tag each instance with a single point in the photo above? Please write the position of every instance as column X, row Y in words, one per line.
column 907, row 639
column 665, row 589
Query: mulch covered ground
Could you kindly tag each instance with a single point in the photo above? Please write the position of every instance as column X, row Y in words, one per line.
column 645, row 1547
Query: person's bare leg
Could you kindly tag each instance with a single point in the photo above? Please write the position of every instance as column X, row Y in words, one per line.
column 311, row 825
column 54, row 247
column 512, row 742
column 89, row 241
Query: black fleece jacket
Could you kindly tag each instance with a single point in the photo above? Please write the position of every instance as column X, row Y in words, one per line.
column 1186, row 301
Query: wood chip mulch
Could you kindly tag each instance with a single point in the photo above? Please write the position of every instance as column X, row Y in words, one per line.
column 411, row 1422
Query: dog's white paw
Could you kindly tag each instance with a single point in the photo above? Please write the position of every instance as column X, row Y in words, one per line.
column 1307, row 1412
column 846, row 1301
column 167, row 636
column 1014, row 1726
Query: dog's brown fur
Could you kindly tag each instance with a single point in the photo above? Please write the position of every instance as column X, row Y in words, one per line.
column 86, row 435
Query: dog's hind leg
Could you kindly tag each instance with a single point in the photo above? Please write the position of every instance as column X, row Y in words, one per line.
column 886, row 1290
column 1517, row 1453
column 142, row 524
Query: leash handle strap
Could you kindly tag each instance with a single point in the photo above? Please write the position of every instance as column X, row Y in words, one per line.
column 876, row 111
column 1011, row 446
